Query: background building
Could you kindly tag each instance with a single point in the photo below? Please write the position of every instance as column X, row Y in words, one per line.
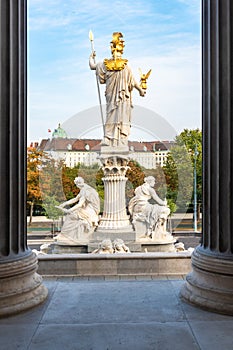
column 149, row 154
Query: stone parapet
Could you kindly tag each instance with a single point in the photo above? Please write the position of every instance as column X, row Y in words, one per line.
column 115, row 264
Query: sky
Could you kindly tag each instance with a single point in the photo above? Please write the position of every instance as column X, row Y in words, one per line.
column 160, row 35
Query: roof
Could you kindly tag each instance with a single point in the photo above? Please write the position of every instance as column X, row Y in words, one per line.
column 85, row 145
column 60, row 144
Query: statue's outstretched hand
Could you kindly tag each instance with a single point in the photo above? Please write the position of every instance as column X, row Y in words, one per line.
column 92, row 63
column 93, row 54
column 142, row 92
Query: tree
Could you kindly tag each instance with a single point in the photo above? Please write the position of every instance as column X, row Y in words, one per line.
column 34, row 161
column 135, row 175
column 51, row 186
column 100, row 187
column 160, row 180
column 92, row 175
column 179, row 177
column 51, row 179
column 179, row 168
column 68, row 176
column 192, row 139
column 50, row 203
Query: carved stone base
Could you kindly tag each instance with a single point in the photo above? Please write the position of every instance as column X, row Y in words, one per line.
column 80, row 239
column 128, row 235
column 70, row 249
column 210, row 284
column 106, row 225
column 165, row 247
column 20, row 286
column 158, row 237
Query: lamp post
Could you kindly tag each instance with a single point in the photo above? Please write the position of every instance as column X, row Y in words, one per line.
column 195, row 190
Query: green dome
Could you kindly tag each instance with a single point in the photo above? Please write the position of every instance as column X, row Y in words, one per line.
column 59, row 133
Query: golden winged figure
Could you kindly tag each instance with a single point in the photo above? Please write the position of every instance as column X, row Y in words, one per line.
column 143, row 80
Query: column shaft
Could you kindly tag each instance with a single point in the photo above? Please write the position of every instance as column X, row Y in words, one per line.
column 211, row 282
column 20, row 285
column 114, row 214
column 13, row 129
column 217, row 125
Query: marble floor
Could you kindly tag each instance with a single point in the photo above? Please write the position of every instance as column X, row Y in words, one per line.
column 115, row 313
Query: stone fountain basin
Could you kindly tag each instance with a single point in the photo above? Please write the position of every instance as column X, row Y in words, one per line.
column 159, row 263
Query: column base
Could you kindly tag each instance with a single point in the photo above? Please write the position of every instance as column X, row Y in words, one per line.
column 20, row 286
column 210, row 284
column 110, row 224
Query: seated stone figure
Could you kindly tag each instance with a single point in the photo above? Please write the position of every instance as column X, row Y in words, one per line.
column 82, row 218
column 149, row 220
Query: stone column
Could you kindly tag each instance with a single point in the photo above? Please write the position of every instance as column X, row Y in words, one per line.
column 114, row 214
column 20, row 285
column 115, row 166
column 210, row 284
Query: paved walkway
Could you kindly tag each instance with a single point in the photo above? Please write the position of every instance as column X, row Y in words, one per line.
column 142, row 313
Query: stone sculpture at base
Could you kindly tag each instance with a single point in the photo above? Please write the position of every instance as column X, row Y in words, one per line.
column 82, row 218
column 149, row 220
column 107, row 247
column 120, row 247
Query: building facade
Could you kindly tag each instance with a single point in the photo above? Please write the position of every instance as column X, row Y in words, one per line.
column 149, row 154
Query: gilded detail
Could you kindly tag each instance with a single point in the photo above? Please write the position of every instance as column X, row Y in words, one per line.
column 115, row 64
column 143, row 80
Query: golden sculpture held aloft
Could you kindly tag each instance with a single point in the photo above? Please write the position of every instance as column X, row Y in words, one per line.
column 119, row 80
column 144, row 77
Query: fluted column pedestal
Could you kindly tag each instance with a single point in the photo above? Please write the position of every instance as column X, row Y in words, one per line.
column 210, row 284
column 20, row 286
column 114, row 214
column 114, row 222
